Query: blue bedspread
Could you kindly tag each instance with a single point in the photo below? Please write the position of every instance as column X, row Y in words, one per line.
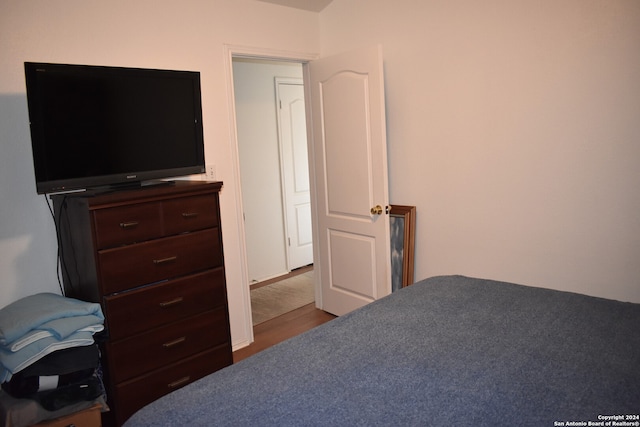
column 447, row 351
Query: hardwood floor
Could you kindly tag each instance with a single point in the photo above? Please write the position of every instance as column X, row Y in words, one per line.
column 283, row 327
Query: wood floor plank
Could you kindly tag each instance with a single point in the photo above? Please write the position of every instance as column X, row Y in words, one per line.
column 283, row 327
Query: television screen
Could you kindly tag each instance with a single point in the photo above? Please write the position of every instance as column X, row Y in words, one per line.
column 104, row 126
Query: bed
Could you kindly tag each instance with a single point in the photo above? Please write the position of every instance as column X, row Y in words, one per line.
column 449, row 350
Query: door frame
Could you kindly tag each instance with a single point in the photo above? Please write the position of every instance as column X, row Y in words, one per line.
column 235, row 51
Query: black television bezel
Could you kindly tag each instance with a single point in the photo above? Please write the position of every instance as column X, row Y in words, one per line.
column 117, row 180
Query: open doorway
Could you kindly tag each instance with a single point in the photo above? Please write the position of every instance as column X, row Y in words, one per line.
column 273, row 163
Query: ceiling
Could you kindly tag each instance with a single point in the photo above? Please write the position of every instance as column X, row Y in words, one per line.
column 310, row 5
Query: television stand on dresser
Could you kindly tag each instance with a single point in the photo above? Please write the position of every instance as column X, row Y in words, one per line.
column 152, row 257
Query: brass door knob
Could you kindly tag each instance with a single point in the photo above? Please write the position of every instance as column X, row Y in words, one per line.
column 376, row 210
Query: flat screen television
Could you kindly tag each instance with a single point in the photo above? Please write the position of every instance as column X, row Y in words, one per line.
column 94, row 126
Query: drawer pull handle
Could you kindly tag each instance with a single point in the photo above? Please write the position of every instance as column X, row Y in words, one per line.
column 174, row 342
column 189, row 214
column 179, row 382
column 172, row 302
column 130, row 224
column 165, row 260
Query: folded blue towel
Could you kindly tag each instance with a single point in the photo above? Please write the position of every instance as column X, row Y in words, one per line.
column 26, row 314
column 59, row 329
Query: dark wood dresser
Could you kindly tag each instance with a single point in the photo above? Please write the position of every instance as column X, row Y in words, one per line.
column 152, row 257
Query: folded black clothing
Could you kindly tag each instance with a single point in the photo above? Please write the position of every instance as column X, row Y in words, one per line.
column 64, row 361
column 60, row 368
column 68, row 392
column 21, row 386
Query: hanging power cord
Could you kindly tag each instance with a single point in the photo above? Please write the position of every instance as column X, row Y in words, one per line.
column 61, row 267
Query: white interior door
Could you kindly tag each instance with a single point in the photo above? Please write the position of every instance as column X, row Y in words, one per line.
column 292, row 132
column 350, row 161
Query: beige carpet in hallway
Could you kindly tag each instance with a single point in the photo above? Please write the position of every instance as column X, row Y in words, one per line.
column 281, row 297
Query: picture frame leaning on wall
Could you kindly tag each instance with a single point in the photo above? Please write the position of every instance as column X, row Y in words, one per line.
column 402, row 223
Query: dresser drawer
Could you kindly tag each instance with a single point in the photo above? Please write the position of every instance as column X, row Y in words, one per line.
column 145, row 352
column 127, row 224
column 133, row 395
column 145, row 308
column 190, row 213
column 149, row 262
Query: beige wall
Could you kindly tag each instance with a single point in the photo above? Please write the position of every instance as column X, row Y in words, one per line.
column 514, row 127
column 185, row 34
